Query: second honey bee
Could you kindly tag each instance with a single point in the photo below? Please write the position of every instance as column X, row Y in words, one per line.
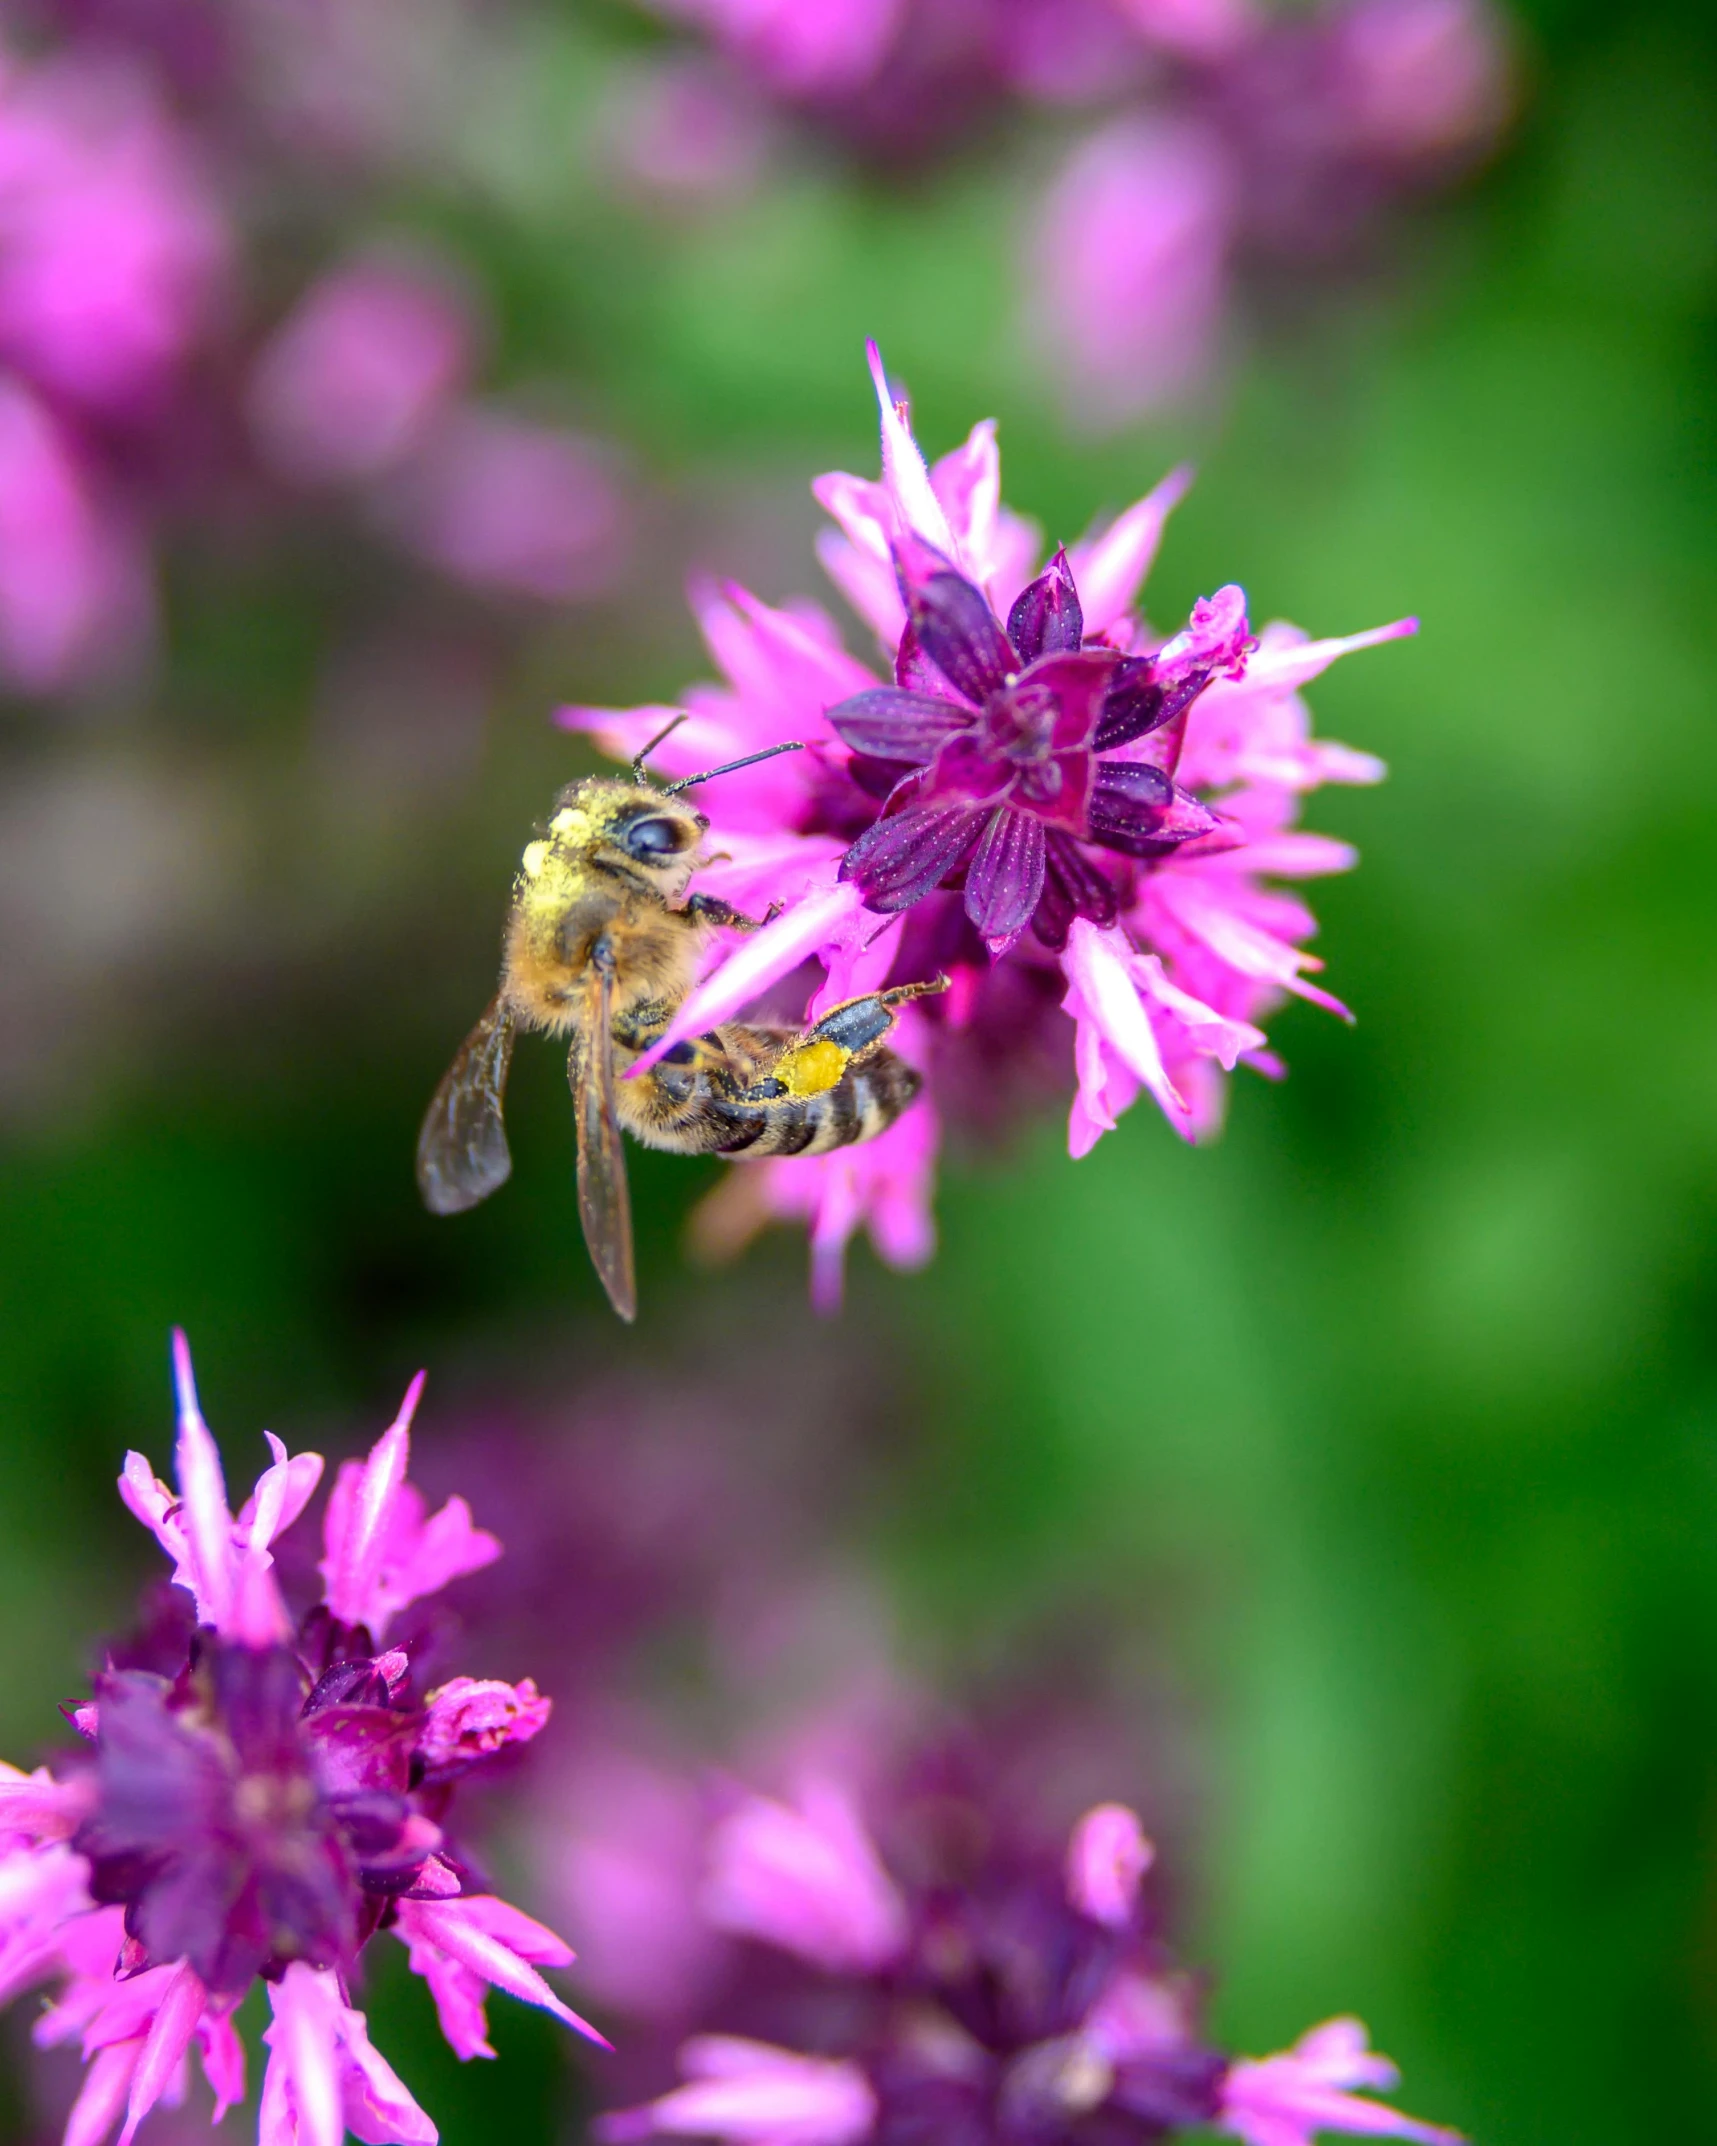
column 602, row 945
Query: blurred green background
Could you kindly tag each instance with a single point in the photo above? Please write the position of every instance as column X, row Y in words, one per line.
column 1389, row 1423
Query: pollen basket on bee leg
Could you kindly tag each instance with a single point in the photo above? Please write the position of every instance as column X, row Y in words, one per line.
column 812, row 1069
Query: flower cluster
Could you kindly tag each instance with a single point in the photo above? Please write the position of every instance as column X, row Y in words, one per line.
column 1264, row 150
column 942, row 1977
column 258, row 1800
column 135, row 393
column 1074, row 818
column 1231, row 142
column 114, row 265
column 364, row 391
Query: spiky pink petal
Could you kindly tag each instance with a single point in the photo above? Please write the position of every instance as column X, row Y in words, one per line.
column 806, row 1877
column 825, row 917
column 904, row 471
column 106, row 2083
column 382, row 1552
column 163, row 2053
column 459, row 1945
column 1110, row 569
column 754, row 2094
column 1107, row 1858
column 1104, row 1001
column 34, row 1807
column 1286, row 2100
column 470, row 1718
column 324, row 2078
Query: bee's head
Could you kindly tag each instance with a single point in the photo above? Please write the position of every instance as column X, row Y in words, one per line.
column 631, row 828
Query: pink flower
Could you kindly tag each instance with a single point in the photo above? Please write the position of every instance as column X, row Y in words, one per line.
column 1128, row 284
column 355, row 379
column 75, row 597
column 112, row 253
column 264, row 1811
column 1286, row 2100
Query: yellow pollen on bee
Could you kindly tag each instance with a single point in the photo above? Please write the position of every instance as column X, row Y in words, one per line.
column 565, row 820
column 813, row 1069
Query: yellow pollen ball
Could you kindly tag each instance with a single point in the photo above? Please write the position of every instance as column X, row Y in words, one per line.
column 531, row 863
column 813, row 1069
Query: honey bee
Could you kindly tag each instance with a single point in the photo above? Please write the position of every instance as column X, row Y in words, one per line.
column 601, row 945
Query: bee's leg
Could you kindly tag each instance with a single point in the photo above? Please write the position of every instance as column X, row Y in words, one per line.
column 815, row 1062
column 639, row 1026
column 711, row 909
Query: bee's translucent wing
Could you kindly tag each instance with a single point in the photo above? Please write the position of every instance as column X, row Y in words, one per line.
column 462, row 1150
column 604, row 1206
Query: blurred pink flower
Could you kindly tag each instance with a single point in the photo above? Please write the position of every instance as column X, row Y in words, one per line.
column 366, row 364
column 1421, row 78
column 1129, row 268
column 113, row 255
column 689, row 130
column 75, row 596
column 755, row 2095
column 970, row 1987
column 512, row 506
column 262, row 1810
column 805, row 1876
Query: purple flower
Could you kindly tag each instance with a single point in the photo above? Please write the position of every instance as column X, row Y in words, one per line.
column 263, row 1803
column 1068, row 813
column 1018, row 736
column 954, row 1981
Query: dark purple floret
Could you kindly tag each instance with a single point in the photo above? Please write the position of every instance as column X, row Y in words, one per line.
column 997, row 744
column 247, row 1816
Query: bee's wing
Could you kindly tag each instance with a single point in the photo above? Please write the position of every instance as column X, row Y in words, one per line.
column 462, row 1150
column 604, row 1206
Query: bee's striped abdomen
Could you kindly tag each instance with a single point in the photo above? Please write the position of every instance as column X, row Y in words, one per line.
column 865, row 1101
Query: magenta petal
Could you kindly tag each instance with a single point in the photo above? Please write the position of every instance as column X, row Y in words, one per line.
column 889, row 724
column 899, row 860
column 1046, row 617
column 954, row 624
column 1005, row 877
column 964, row 772
column 1137, row 810
column 1073, row 886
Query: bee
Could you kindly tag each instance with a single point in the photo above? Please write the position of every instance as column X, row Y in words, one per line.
column 602, row 945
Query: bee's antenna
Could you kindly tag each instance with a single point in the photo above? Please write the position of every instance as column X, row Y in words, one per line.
column 769, row 752
column 661, row 738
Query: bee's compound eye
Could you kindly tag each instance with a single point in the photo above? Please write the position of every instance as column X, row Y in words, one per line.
column 650, row 838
